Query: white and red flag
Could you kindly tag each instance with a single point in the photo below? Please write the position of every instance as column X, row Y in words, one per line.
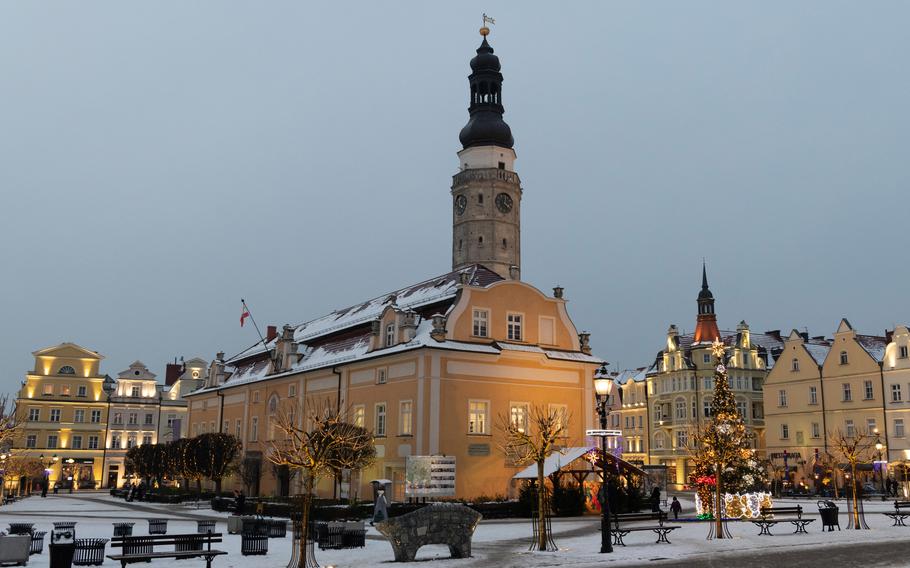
column 244, row 312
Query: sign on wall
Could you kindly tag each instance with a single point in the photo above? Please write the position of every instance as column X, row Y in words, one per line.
column 430, row 476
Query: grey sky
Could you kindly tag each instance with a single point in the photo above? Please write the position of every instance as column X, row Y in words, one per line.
column 160, row 160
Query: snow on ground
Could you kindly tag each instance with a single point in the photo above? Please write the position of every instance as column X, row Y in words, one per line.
column 496, row 543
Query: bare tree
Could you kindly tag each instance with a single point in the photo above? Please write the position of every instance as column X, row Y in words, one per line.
column 856, row 449
column 10, row 423
column 533, row 442
column 328, row 445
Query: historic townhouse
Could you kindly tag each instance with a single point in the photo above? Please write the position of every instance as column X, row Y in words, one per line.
column 633, row 415
column 180, row 379
column 432, row 367
column 896, row 373
column 821, row 387
column 681, row 382
column 65, row 410
column 133, row 413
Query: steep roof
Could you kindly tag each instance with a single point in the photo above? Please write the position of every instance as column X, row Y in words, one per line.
column 344, row 335
column 770, row 344
column 874, row 345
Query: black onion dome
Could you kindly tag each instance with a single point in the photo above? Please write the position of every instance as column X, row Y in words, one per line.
column 485, row 60
column 486, row 126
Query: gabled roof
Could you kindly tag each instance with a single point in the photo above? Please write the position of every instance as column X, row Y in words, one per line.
column 874, row 345
column 769, row 344
column 67, row 349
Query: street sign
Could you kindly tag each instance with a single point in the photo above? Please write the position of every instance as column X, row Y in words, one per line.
column 603, row 432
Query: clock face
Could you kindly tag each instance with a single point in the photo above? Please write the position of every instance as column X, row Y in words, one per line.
column 460, row 203
column 504, row 202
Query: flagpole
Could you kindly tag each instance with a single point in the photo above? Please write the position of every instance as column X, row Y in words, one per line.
column 252, row 319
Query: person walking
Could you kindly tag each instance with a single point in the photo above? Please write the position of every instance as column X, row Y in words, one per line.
column 676, row 507
column 239, row 502
column 380, row 508
column 655, row 500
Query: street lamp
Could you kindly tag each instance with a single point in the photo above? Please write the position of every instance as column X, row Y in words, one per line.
column 603, row 386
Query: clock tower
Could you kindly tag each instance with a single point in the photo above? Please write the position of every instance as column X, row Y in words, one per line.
column 486, row 191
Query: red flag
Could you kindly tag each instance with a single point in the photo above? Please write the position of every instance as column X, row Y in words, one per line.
column 245, row 312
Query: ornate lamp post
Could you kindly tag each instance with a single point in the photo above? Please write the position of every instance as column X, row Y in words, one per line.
column 603, row 386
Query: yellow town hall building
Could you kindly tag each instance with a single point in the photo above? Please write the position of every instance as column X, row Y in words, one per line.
column 430, row 368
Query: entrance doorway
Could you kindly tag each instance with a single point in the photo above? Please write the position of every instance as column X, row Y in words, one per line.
column 113, row 472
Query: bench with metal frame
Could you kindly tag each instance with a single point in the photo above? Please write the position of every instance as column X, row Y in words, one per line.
column 901, row 512
column 620, row 529
column 767, row 520
column 142, row 548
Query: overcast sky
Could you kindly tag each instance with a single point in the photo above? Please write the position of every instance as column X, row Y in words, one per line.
column 161, row 160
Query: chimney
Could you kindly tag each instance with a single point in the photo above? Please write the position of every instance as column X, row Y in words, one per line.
column 439, row 327
column 285, row 350
column 584, row 341
column 464, row 278
column 409, row 325
column 557, row 292
column 271, row 332
column 216, row 371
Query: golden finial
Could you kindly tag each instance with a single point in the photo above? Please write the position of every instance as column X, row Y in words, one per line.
column 485, row 31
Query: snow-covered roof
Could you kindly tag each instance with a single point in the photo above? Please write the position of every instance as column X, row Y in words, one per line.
column 818, row 351
column 874, row 345
column 553, row 463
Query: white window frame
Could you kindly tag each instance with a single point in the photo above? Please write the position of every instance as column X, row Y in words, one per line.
column 514, row 326
column 93, row 442
column 561, row 411
column 390, row 335
column 483, row 427
column 794, row 365
column 868, row 390
column 96, row 417
column 53, row 438
column 844, row 358
column 682, row 439
column 34, row 415
column 480, row 322
column 31, row 441
column 659, row 440
column 816, row 430
column 77, row 438
column 55, row 415
column 899, row 428
column 679, row 409
column 133, row 419
column 519, row 415
column 406, row 417
column 784, row 431
column 813, row 395
column 903, row 352
column 254, row 428
column 896, row 392
column 81, row 391
column 79, row 415
column 292, row 390
column 782, row 401
column 846, row 392
column 380, row 419
column 136, row 391
column 850, row 428
column 382, row 376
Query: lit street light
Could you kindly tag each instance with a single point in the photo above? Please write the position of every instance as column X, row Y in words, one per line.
column 603, row 386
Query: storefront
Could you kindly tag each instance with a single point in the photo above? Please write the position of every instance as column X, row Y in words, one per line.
column 77, row 473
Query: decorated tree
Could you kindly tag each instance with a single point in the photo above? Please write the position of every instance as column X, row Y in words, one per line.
column 181, row 456
column 534, row 442
column 855, row 448
column 216, row 456
column 723, row 454
column 10, row 423
column 148, row 461
column 328, row 445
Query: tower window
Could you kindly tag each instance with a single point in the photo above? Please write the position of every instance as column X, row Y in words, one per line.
column 480, row 240
column 505, row 243
column 460, row 243
column 502, row 165
column 480, row 198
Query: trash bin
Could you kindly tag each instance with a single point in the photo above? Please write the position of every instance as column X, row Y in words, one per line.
column 63, row 545
column 829, row 511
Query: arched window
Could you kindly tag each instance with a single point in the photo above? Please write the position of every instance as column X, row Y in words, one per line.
column 66, row 370
column 480, row 240
column 794, row 364
column 843, row 357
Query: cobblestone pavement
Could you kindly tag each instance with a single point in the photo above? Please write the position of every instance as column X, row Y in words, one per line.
column 876, row 554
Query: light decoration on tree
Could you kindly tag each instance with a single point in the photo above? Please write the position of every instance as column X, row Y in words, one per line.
column 725, row 463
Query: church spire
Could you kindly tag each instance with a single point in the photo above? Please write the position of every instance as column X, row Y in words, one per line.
column 706, row 326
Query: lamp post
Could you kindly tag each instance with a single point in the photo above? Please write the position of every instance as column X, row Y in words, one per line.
column 603, row 386
column 3, row 474
column 881, row 472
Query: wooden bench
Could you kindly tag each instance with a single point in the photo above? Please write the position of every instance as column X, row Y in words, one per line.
column 901, row 512
column 620, row 529
column 142, row 548
column 768, row 520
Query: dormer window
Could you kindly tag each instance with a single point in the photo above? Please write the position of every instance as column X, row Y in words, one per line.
column 481, row 323
column 514, row 327
column 903, row 351
column 843, row 357
column 390, row 335
column 136, row 391
column 66, row 370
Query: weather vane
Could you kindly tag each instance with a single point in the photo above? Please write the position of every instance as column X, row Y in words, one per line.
column 485, row 31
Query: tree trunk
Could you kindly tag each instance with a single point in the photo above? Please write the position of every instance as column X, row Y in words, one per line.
column 854, row 497
column 217, row 487
column 719, row 504
column 305, row 520
column 542, row 535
